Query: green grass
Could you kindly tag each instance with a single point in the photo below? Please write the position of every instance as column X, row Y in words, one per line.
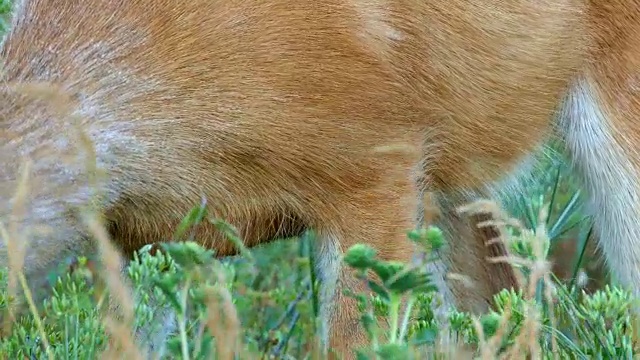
column 263, row 299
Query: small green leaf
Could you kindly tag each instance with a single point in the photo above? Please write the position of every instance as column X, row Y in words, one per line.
column 194, row 217
column 168, row 287
column 369, row 323
column 414, row 279
column 425, row 335
column 490, row 323
column 387, row 269
column 188, row 254
column 360, row 256
column 360, row 355
column 393, row 351
column 379, row 290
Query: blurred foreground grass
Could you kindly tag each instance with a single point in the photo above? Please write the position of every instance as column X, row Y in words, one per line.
column 260, row 304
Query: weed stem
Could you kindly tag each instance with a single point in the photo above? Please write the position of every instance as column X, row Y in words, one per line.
column 182, row 321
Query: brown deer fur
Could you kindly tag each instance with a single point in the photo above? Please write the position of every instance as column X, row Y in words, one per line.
column 326, row 114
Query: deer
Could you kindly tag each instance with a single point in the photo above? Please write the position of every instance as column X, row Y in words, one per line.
column 330, row 115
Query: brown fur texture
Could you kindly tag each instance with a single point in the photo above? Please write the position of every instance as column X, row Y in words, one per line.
column 286, row 115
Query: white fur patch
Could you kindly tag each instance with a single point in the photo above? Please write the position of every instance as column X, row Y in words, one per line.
column 376, row 31
column 610, row 178
column 439, row 271
column 328, row 257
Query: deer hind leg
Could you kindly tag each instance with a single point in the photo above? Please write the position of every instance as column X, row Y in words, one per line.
column 603, row 142
column 378, row 216
column 465, row 276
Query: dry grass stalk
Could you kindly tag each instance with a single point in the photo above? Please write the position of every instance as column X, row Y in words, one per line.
column 15, row 241
column 16, row 244
column 120, row 292
column 527, row 340
column 222, row 320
